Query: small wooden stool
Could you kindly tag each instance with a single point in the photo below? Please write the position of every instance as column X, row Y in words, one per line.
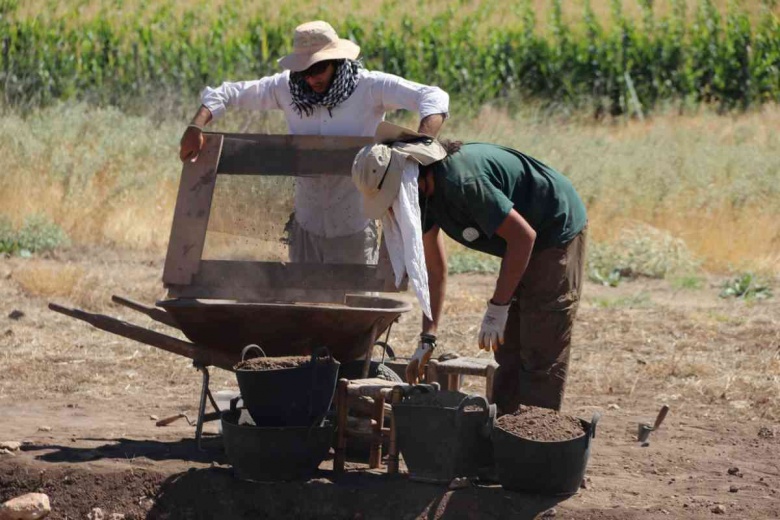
column 347, row 393
column 448, row 373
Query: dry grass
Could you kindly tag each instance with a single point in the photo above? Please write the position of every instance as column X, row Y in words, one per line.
column 46, row 279
column 636, row 345
column 712, row 181
column 102, row 176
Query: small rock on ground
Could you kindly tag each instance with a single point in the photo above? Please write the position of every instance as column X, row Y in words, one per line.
column 719, row 509
column 31, row 506
column 10, row 445
column 550, row 513
column 96, row 514
column 460, row 483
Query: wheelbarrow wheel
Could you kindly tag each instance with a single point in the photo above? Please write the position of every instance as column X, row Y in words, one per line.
column 388, row 374
column 354, row 369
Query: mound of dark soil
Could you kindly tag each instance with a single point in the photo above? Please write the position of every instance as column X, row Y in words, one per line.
column 541, row 424
column 74, row 492
column 215, row 494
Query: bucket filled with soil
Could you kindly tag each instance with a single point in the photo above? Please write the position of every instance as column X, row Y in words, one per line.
column 442, row 435
column 538, row 450
column 273, row 454
column 287, row 391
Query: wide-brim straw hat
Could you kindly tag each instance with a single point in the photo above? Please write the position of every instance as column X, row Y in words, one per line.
column 377, row 170
column 314, row 42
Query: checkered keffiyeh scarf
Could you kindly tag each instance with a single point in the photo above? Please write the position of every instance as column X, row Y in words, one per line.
column 345, row 79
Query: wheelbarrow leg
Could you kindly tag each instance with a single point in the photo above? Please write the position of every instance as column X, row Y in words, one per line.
column 371, row 341
column 204, row 393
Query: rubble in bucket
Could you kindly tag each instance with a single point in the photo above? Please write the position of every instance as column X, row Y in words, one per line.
column 538, row 450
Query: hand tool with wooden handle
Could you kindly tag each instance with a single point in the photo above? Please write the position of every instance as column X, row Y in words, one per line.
column 645, row 429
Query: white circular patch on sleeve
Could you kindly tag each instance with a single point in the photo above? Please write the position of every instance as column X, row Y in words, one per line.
column 470, row 234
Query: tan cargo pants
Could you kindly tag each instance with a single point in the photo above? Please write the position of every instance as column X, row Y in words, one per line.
column 534, row 358
column 359, row 248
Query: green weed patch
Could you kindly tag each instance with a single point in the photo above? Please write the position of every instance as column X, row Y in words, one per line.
column 36, row 235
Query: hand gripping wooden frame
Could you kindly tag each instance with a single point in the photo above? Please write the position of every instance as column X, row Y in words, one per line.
column 187, row 275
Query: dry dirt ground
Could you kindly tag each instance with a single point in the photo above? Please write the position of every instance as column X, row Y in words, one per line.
column 81, row 401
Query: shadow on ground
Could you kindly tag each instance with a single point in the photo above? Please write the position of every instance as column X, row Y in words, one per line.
column 215, row 493
column 130, row 449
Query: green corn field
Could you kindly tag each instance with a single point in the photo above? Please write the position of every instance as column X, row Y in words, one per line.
column 615, row 64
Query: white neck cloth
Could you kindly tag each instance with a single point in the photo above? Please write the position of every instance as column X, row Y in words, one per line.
column 402, row 233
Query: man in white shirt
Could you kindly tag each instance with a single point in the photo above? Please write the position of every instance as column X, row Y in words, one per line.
column 324, row 90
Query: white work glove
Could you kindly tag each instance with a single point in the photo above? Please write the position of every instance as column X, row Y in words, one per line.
column 416, row 367
column 491, row 333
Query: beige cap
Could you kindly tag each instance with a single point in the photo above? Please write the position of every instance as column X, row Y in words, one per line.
column 378, row 169
column 314, row 42
column 423, row 148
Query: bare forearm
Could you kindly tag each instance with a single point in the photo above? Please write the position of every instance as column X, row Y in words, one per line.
column 436, row 263
column 520, row 238
column 192, row 139
column 431, row 125
column 202, row 117
column 513, row 266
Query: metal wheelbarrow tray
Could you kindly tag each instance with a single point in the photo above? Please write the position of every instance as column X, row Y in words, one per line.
column 220, row 329
column 286, row 329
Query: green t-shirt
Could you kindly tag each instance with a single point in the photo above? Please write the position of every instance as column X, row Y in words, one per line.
column 476, row 187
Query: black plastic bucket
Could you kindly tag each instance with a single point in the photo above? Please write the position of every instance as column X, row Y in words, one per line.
column 548, row 468
column 274, row 454
column 299, row 396
column 442, row 435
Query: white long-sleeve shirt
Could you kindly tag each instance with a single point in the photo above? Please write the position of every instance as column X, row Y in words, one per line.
column 330, row 206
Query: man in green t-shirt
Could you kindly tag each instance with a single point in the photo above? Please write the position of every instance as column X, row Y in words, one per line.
column 502, row 202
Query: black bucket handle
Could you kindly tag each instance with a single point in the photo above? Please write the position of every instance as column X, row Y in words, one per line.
column 321, row 352
column 473, row 400
column 425, row 388
column 487, row 428
column 246, row 349
column 593, row 422
column 234, row 404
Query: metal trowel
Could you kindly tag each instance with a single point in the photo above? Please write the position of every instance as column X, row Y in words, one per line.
column 645, row 429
